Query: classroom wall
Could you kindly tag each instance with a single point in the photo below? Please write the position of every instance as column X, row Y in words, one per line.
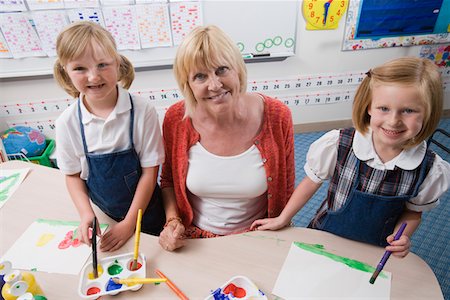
column 317, row 52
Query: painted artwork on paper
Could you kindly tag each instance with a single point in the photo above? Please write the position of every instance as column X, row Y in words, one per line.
column 309, row 267
column 10, row 180
column 50, row 246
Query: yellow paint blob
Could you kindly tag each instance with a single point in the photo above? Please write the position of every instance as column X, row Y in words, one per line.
column 44, row 239
column 99, row 271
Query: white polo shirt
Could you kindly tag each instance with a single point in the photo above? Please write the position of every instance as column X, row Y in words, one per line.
column 108, row 135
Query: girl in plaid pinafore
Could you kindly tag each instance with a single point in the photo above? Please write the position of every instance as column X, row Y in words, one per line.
column 381, row 172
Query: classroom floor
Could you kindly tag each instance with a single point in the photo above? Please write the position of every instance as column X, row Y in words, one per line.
column 431, row 241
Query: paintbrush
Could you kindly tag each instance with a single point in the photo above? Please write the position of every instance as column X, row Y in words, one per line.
column 94, row 247
column 135, row 280
column 134, row 265
column 386, row 255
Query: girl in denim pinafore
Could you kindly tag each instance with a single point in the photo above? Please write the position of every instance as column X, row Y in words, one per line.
column 370, row 201
column 109, row 144
column 381, row 172
column 113, row 179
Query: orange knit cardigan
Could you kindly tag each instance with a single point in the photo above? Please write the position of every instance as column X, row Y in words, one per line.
column 275, row 143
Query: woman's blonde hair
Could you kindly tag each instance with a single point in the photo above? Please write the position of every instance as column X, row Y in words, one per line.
column 206, row 47
column 406, row 71
column 74, row 40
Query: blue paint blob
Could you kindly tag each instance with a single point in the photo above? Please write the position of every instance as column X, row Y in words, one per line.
column 112, row 285
column 218, row 295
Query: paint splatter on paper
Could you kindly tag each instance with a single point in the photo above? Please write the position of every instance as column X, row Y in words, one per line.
column 49, row 246
column 10, row 180
column 310, row 267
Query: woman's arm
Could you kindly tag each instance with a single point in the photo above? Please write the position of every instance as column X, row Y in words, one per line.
column 304, row 191
column 171, row 237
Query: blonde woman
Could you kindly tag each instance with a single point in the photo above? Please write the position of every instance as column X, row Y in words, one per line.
column 229, row 153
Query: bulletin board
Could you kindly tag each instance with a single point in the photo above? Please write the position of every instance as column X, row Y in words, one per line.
column 396, row 23
column 262, row 30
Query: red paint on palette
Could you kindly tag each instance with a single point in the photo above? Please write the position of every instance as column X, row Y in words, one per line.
column 130, row 267
column 93, row 290
column 237, row 292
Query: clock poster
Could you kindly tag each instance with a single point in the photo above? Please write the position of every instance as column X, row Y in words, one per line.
column 323, row 14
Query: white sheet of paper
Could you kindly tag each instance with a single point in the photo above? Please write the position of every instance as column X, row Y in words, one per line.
column 38, row 248
column 307, row 275
column 10, row 180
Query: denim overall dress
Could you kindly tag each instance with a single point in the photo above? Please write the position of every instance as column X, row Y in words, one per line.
column 113, row 179
column 369, row 217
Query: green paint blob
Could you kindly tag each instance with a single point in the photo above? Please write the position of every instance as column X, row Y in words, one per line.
column 355, row 264
column 115, row 268
column 39, row 297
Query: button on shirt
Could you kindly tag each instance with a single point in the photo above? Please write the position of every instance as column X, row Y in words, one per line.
column 322, row 155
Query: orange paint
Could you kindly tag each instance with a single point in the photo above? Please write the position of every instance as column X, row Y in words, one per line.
column 93, row 290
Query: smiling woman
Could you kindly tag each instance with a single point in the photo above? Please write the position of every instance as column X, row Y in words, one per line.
column 229, row 153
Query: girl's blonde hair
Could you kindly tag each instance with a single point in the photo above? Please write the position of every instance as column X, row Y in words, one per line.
column 74, row 40
column 206, row 47
column 405, row 71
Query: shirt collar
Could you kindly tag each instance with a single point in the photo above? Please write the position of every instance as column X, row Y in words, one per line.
column 123, row 105
column 408, row 159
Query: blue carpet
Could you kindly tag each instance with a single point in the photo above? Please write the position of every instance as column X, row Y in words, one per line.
column 431, row 239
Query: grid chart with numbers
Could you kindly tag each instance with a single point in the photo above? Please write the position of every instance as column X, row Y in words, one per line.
column 295, row 92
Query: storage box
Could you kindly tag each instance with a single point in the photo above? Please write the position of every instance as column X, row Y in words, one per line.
column 43, row 159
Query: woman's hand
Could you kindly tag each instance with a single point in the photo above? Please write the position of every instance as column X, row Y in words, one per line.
column 268, row 224
column 117, row 236
column 171, row 237
column 400, row 247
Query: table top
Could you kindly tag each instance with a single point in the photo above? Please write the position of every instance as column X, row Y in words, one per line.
column 203, row 264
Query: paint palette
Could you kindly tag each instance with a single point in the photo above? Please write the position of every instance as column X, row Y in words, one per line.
column 118, row 266
column 238, row 287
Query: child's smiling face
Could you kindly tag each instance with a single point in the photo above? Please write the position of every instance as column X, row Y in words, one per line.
column 396, row 116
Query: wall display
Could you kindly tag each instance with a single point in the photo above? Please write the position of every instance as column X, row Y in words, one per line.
column 323, row 14
column 440, row 54
column 396, row 23
column 147, row 32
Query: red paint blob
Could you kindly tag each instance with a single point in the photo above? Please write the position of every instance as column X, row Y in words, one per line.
column 235, row 290
column 93, row 290
column 65, row 244
column 130, row 267
column 76, row 243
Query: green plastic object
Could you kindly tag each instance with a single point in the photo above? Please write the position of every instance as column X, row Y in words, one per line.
column 44, row 158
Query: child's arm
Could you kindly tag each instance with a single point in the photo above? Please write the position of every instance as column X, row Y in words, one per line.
column 171, row 237
column 79, row 194
column 400, row 247
column 119, row 234
column 304, row 191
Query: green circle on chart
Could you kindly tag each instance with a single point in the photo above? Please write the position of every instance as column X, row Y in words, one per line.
column 259, row 47
column 289, row 43
column 268, row 43
column 277, row 40
column 240, row 46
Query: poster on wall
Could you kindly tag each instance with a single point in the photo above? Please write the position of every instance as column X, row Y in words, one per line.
column 384, row 23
